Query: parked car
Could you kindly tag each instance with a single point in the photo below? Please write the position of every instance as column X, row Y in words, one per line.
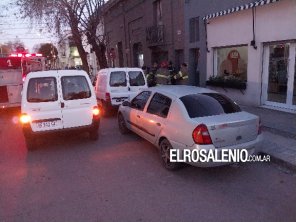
column 115, row 85
column 54, row 101
column 188, row 117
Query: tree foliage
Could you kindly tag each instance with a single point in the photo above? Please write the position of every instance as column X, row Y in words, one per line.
column 81, row 17
column 48, row 50
column 15, row 46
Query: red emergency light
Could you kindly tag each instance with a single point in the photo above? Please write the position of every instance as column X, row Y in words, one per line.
column 25, row 55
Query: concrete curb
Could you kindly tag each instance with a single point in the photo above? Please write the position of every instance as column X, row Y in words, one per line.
column 279, row 161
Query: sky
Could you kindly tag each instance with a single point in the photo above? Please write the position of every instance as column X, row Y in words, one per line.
column 12, row 27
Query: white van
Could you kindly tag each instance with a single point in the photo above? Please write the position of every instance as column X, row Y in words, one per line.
column 58, row 100
column 115, row 85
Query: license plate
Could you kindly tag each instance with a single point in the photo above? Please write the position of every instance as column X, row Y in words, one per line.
column 120, row 100
column 47, row 124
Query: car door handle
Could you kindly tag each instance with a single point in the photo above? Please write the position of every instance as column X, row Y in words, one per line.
column 62, row 105
column 158, row 124
column 138, row 116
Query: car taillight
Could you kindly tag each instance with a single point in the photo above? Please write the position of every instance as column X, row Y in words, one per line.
column 108, row 97
column 25, row 118
column 259, row 127
column 201, row 135
column 95, row 111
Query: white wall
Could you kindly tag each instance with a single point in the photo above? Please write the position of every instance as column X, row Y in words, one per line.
column 274, row 22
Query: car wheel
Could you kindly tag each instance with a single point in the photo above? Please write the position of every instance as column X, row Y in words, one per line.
column 94, row 134
column 165, row 148
column 31, row 143
column 122, row 125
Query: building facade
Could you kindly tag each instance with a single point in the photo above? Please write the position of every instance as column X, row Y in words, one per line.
column 256, row 43
column 195, row 52
column 141, row 32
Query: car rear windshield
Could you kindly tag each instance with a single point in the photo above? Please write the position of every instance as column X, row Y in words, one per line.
column 136, row 78
column 42, row 90
column 75, row 87
column 208, row 104
column 117, row 78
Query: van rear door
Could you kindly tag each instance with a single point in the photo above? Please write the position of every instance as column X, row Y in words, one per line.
column 119, row 90
column 42, row 103
column 136, row 81
column 77, row 101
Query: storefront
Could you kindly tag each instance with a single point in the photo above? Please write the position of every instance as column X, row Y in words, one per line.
column 279, row 75
column 255, row 44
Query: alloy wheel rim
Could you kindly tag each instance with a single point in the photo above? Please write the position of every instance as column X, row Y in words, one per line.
column 165, row 149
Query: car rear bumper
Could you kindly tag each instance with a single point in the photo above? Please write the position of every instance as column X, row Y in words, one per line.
column 28, row 132
column 251, row 147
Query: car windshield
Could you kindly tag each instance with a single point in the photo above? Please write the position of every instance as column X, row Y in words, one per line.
column 208, row 104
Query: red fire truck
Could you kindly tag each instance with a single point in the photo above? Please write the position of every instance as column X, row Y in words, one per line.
column 13, row 71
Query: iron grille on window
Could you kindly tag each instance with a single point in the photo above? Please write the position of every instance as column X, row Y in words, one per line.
column 155, row 34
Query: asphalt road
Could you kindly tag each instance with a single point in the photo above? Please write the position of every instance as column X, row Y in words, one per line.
column 120, row 178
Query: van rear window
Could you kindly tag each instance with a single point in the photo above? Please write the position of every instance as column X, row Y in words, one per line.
column 117, row 79
column 136, row 78
column 208, row 104
column 75, row 87
column 42, row 90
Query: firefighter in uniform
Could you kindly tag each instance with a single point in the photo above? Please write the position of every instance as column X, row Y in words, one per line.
column 163, row 74
column 182, row 76
column 150, row 76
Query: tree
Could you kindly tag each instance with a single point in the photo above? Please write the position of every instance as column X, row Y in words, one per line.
column 82, row 17
column 16, row 46
column 91, row 21
column 48, row 50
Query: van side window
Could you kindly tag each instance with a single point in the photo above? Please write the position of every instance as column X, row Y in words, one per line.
column 136, row 78
column 75, row 87
column 159, row 105
column 118, row 78
column 42, row 90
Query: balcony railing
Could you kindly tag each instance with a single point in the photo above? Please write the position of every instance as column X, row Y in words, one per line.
column 155, row 35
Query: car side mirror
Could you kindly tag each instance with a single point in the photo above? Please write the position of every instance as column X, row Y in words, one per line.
column 126, row 103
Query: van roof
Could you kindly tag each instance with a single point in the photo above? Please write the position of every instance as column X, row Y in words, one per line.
column 56, row 73
column 120, row 69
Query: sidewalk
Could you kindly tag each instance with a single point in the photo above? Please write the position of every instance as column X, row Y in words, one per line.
column 279, row 131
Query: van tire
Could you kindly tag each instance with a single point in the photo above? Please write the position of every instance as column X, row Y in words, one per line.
column 31, row 143
column 94, row 134
column 122, row 124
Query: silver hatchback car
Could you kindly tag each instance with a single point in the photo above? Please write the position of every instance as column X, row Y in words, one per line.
column 188, row 117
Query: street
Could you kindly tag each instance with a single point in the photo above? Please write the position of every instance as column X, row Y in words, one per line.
column 120, row 178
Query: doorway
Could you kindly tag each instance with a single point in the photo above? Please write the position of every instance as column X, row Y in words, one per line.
column 279, row 73
column 138, row 55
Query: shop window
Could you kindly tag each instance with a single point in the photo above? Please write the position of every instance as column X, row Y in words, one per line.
column 232, row 62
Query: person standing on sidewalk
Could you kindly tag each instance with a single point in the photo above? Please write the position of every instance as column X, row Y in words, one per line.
column 163, row 74
column 182, row 76
column 172, row 71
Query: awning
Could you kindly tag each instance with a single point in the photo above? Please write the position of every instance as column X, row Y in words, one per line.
column 239, row 8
